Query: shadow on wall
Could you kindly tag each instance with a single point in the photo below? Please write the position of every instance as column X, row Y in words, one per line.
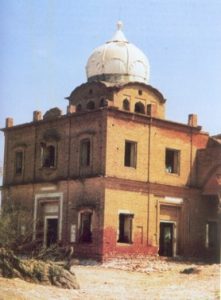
column 206, row 162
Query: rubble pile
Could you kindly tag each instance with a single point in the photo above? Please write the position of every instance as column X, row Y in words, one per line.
column 145, row 264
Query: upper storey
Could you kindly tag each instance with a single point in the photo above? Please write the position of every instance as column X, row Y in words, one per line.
column 133, row 97
column 118, row 61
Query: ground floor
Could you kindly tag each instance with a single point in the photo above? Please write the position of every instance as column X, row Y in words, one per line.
column 108, row 217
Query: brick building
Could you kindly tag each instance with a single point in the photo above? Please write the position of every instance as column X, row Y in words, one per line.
column 112, row 176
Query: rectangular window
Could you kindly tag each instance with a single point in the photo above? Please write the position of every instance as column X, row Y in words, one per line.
column 172, row 161
column 18, row 162
column 211, row 234
column 85, row 153
column 85, row 233
column 149, row 109
column 48, row 155
column 130, row 154
column 125, row 228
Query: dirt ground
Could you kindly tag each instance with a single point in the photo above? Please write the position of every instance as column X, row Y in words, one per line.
column 145, row 279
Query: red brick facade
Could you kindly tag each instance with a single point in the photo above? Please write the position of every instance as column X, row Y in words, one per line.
column 109, row 201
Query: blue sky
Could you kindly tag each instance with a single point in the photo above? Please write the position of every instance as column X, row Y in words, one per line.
column 45, row 46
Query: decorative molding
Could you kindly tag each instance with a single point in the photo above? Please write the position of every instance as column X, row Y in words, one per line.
column 48, row 197
column 48, row 188
column 172, row 200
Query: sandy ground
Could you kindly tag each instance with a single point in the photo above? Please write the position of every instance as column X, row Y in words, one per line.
column 126, row 279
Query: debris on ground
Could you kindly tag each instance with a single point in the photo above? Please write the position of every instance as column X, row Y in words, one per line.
column 37, row 271
column 190, row 271
column 53, row 253
column 148, row 264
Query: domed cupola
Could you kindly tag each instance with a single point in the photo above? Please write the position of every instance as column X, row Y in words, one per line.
column 118, row 61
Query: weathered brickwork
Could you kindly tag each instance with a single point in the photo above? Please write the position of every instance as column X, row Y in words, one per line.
column 108, row 201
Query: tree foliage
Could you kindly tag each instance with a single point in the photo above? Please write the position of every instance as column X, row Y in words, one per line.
column 15, row 225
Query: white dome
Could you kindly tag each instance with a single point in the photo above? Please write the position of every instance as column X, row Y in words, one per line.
column 118, row 61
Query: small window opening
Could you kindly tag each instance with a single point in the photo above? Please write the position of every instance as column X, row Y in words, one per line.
column 90, row 92
column 90, row 105
column 102, row 103
column 18, row 162
column 126, row 104
column 139, row 108
column 48, row 156
column 172, row 161
column 211, row 234
column 140, row 92
column 149, row 109
column 130, row 154
column 125, row 228
column 85, row 153
column 79, row 108
column 85, row 234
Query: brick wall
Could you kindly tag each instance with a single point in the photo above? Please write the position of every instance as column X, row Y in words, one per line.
column 69, row 131
column 107, row 186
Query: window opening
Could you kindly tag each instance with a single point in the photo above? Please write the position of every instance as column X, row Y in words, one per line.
column 85, row 234
column 211, row 234
column 18, row 162
column 172, row 161
column 130, row 154
column 85, row 152
column 149, row 109
column 79, row 108
column 140, row 92
column 139, row 108
column 103, row 103
column 48, row 156
column 126, row 104
column 125, row 228
column 90, row 105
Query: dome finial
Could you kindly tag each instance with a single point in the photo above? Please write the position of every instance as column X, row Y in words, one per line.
column 119, row 35
column 119, row 25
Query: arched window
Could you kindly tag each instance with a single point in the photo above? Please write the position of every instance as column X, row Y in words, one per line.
column 126, row 104
column 79, row 108
column 48, row 156
column 90, row 105
column 139, row 108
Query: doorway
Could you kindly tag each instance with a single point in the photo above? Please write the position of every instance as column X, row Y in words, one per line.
column 51, row 231
column 166, row 239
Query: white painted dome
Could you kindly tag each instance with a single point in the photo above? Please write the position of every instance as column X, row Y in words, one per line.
column 118, row 61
